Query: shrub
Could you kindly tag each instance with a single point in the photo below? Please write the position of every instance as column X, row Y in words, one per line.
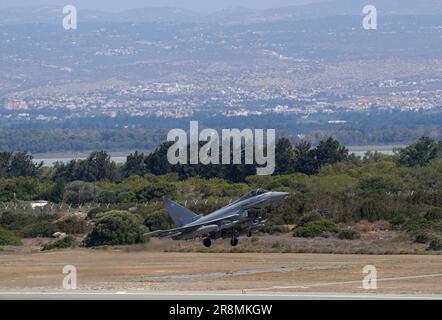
column 94, row 211
column 434, row 214
column 309, row 218
column 106, row 196
column 416, row 225
column 67, row 242
column 435, row 245
column 116, row 228
column 13, row 221
column 78, row 192
column 158, row 220
column 272, row 229
column 398, row 221
column 7, row 238
column 348, row 234
column 38, row 229
column 316, row 229
column 276, row 245
column 422, row 238
column 71, row 223
column 156, row 191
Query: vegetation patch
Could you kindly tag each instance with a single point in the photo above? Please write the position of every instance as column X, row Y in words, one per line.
column 116, row 228
column 67, row 242
column 316, row 229
column 8, row 238
column 435, row 245
column 348, row 234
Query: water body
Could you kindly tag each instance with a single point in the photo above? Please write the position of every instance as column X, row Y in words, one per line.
column 360, row 151
column 120, row 157
column 49, row 159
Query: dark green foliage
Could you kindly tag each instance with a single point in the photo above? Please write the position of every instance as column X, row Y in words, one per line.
column 67, row 242
column 316, row 229
column 96, row 167
column 416, row 224
column 157, row 162
column 79, row 192
column 309, row 217
column 422, row 238
column 275, row 229
column 418, row 154
column 434, row 214
column 332, row 187
column 19, row 164
column 13, row 221
column 116, row 228
column 301, row 158
column 39, row 229
column 155, row 191
column 56, row 193
column 71, row 224
column 398, row 221
column 94, row 211
column 284, row 157
column 8, row 238
column 305, row 158
column 435, row 245
column 156, row 219
column 348, row 234
column 23, row 188
column 28, row 226
column 135, row 165
column 106, row 197
column 330, row 152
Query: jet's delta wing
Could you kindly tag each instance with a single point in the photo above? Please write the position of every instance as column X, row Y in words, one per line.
column 166, row 233
column 229, row 221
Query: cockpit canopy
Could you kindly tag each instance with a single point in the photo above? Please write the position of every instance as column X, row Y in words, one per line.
column 253, row 193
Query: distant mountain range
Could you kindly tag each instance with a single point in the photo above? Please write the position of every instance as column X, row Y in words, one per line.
column 235, row 15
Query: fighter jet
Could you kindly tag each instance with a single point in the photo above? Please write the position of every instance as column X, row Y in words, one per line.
column 231, row 221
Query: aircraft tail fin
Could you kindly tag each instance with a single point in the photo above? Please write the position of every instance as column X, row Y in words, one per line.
column 179, row 214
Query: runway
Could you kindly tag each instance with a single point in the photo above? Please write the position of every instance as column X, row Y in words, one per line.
column 210, row 295
column 112, row 274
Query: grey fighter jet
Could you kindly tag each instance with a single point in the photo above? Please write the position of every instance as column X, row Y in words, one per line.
column 231, row 221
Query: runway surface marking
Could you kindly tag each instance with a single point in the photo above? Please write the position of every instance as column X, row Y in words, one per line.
column 306, row 286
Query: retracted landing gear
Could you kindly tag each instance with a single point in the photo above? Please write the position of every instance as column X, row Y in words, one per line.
column 234, row 242
column 207, row 242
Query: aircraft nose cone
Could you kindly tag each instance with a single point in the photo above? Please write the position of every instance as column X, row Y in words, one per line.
column 280, row 195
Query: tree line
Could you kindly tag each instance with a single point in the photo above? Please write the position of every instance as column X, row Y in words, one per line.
column 325, row 183
column 289, row 158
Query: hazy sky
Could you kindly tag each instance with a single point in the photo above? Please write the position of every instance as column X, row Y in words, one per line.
column 195, row 5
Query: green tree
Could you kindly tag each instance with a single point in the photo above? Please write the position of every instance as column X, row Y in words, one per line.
column 135, row 164
column 155, row 191
column 8, row 238
column 57, row 191
column 116, row 228
column 157, row 162
column 19, row 164
column 79, row 192
column 418, row 154
column 96, row 167
column 284, row 157
column 304, row 158
column 330, row 152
